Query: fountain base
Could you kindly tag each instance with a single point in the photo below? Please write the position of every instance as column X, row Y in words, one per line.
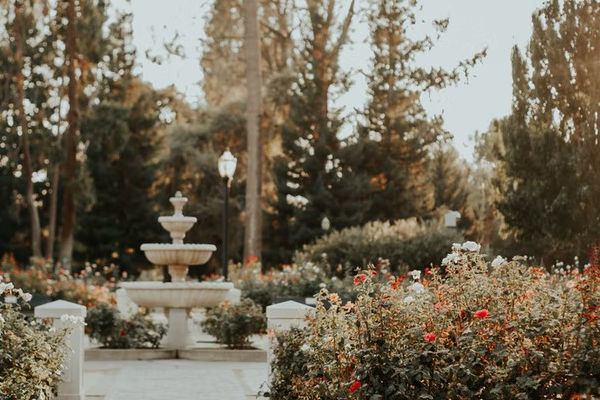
column 177, row 298
column 178, row 335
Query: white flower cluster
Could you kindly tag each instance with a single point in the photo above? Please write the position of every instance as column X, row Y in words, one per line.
column 417, row 288
column 498, row 261
column 455, row 257
column 471, row 246
column 416, row 274
column 6, row 287
column 72, row 320
column 9, row 288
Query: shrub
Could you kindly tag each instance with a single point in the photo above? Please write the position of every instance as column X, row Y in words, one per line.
column 469, row 329
column 294, row 280
column 406, row 244
column 31, row 352
column 233, row 324
column 289, row 363
column 105, row 324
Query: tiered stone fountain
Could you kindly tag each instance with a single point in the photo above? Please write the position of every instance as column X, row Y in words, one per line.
column 178, row 296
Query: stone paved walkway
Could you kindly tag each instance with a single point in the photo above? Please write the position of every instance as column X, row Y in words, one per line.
column 173, row 380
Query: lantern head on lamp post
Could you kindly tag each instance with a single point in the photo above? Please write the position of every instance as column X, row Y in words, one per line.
column 227, row 163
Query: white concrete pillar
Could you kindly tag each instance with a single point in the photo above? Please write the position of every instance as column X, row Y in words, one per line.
column 71, row 387
column 283, row 317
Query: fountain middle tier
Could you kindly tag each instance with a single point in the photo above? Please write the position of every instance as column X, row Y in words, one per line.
column 178, row 256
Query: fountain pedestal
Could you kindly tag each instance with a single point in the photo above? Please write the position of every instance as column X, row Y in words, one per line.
column 178, row 296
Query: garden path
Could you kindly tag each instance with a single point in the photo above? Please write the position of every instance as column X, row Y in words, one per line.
column 173, row 380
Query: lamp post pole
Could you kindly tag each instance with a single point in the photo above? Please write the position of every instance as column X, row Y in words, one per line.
column 226, row 165
column 225, row 230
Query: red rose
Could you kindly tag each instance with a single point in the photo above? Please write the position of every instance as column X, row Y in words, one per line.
column 359, row 279
column 122, row 333
column 355, row 386
column 483, row 313
column 430, row 337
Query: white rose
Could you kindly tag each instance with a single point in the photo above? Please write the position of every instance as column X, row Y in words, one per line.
column 471, row 246
column 498, row 261
column 416, row 274
column 417, row 287
column 450, row 258
column 408, row 299
column 26, row 297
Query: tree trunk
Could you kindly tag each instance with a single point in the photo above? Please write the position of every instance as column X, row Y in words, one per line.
column 253, row 231
column 34, row 218
column 53, row 209
column 71, row 138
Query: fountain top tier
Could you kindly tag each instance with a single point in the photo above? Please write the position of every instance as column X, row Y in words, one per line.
column 177, row 224
column 177, row 255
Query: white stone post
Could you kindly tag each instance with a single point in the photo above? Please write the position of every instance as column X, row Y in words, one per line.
column 283, row 317
column 71, row 387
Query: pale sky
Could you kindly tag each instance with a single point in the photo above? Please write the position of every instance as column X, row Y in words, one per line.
column 474, row 24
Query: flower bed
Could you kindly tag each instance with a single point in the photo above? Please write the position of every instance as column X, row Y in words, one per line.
column 470, row 329
column 92, row 285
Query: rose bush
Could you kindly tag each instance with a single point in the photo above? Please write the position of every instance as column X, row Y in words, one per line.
column 31, row 351
column 291, row 280
column 105, row 325
column 466, row 330
column 233, row 324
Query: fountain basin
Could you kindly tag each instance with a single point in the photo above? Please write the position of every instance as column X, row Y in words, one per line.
column 177, row 294
column 177, row 254
column 174, row 223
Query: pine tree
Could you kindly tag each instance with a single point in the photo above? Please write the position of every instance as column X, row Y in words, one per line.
column 309, row 172
column 449, row 176
column 398, row 134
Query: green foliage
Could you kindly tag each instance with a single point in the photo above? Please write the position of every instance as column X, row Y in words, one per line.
column 124, row 141
column 105, row 325
column 468, row 330
column 405, row 244
column 233, row 324
column 308, row 175
column 31, row 352
column 546, row 153
column 289, row 362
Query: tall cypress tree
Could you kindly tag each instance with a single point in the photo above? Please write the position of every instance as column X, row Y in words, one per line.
column 547, row 167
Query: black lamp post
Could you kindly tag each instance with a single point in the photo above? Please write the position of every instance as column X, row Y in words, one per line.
column 227, row 163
